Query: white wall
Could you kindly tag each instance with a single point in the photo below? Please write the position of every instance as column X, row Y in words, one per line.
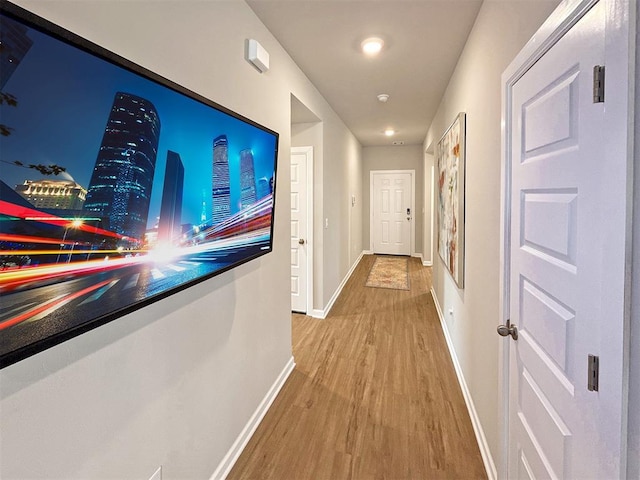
column 173, row 384
column 342, row 168
column 356, row 212
column 634, row 373
column 501, row 30
column 407, row 157
column 429, row 223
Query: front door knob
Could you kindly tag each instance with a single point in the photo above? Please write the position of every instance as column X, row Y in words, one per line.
column 301, row 241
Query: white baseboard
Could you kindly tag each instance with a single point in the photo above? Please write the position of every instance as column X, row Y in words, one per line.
column 487, row 459
column 414, row 254
column 425, row 263
column 233, row 454
column 323, row 313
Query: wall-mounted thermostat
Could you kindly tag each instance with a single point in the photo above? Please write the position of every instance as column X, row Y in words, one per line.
column 257, row 55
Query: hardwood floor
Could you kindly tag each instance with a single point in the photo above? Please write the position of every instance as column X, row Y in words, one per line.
column 374, row 394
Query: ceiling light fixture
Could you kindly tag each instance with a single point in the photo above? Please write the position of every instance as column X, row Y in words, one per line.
column 383, row 97
column 371, row 46
column 389, row 132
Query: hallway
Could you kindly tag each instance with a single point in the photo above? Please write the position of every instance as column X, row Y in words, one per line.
column 374, row 394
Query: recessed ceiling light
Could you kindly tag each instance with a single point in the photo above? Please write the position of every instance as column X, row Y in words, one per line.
column 383, row 97
column 389, row 132
column 371, row 46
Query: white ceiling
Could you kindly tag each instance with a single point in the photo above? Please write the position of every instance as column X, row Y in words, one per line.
column 423, row 40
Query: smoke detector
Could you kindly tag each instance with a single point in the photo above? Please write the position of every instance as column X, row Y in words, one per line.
column 383, row 97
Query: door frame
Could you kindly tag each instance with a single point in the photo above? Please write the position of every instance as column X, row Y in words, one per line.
column 308, row 152
column 620, row 68
column 412, row 234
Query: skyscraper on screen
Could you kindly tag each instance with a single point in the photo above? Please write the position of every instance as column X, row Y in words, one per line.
column 120, row 186
column 169, row 230
column 15, row 45
column 220, row 181
column 247, row 179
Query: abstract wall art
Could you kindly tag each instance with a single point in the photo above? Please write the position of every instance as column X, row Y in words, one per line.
column 450, row 170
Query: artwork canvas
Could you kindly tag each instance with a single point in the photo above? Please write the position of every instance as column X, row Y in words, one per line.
column 450, row 164
column 117, row 187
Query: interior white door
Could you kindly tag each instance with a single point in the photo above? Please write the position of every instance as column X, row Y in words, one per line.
column 559, row 258
column 391, row 213
column 299, row 221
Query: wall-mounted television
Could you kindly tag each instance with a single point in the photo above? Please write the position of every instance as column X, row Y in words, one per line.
column 117, row 187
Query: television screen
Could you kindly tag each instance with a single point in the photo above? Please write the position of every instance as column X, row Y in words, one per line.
column 117, row 187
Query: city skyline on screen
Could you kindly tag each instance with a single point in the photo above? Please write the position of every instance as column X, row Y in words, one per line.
column 64, row 101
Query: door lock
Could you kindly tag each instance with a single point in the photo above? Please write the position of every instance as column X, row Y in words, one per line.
column 508, row 329
column 301, row 241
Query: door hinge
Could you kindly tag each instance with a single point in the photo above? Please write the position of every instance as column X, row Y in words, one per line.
column 598, row 84
column 594, row 372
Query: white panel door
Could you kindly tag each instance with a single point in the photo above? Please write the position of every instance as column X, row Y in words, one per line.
column 557, row 427
column 299, row 222
column 391, row 213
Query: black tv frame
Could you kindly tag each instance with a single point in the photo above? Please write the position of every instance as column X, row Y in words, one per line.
column 220, row 234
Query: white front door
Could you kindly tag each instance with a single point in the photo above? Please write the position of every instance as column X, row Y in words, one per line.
column 391, row 212
column 301, row 158
column 559, row 259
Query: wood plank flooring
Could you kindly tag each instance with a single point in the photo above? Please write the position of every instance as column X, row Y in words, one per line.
column 374, row 394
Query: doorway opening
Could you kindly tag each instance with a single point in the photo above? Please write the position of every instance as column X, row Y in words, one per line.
column 306, row 140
